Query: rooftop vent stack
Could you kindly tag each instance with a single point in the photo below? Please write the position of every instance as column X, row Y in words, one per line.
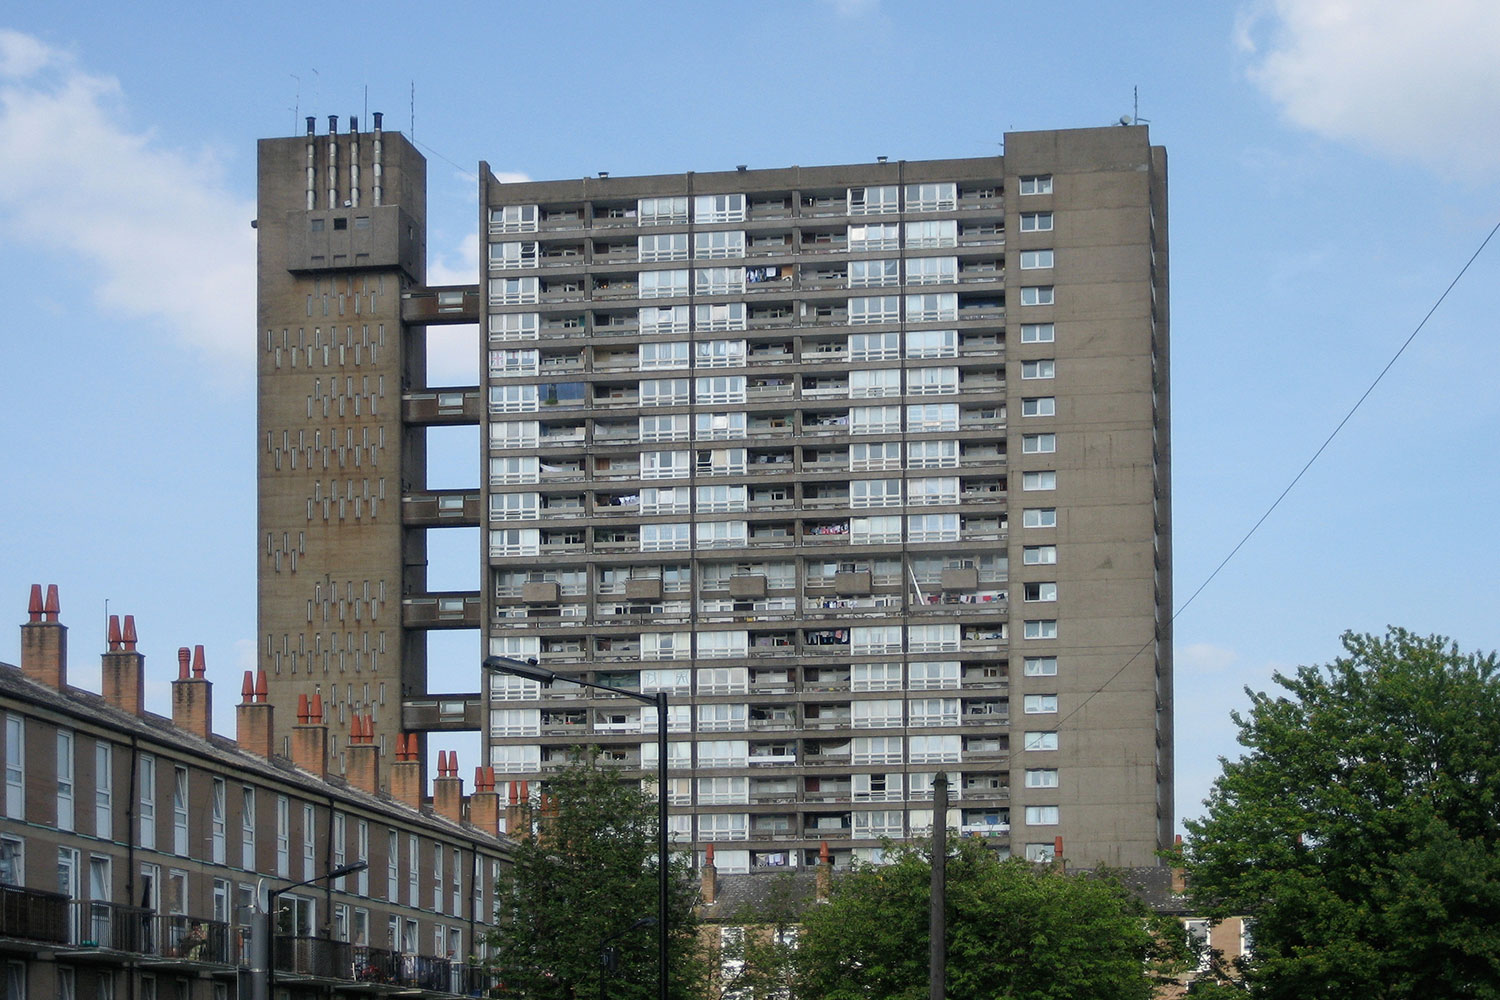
column 375, row 160
column 312, row 166
column 192, row 694
column 353, row 161
column 310, row 738
column 333, row 161
column 254, row 716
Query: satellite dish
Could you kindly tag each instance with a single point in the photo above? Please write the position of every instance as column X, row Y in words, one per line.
column 1124, row 119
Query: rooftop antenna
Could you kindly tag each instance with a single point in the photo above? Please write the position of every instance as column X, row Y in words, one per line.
column 296, row 102
column 1134, row 118
column 411, row 113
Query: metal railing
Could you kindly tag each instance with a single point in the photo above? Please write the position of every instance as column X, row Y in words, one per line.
column 33, row 915
column 324, row 958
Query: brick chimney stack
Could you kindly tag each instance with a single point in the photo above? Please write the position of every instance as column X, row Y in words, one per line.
column 1179, row 875
column 44, row 640
column 517, row 822
column 825, row 871
column 310, row 737
column 192, row 695
column 122, row 671
column 448, row 788
column 484, row 803
column 362, row 756
column 710, row 890
column 1057, row 855
column 253, row 716
column 407, row 780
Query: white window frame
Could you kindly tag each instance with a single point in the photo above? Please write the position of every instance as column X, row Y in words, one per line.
column 15, row 766
column 1038, row 333
column 1035, row 260
column 1039, row 740
column 1039, row 666
column 878, row 273
column 719, row 208
column 1040, row 479
column 1039, row 628
column 1041, row 777
column 666, row 284
column 1035, row 184
column 1037, row 222
column 1039, row 555
column 1041, row 815
column 65, row 765
column 1038, row 295
column 1039, row 704
column 104, row 782
column 1038, row 444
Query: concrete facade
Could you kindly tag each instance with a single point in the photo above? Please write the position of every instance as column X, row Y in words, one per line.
column 867, row 466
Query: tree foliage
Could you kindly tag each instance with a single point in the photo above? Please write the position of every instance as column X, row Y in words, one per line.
column 582, row 878
column 1015, row 931
column 1360, row 830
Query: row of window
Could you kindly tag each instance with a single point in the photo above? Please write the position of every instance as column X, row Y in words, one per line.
column 183, row 799
column 859, row 457
column 856, row 751
column 939, row 196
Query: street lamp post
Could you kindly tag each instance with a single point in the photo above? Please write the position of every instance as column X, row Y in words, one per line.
column 264, row 943
column 530, row 670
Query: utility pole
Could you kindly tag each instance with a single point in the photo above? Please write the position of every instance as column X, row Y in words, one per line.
column 937, row 919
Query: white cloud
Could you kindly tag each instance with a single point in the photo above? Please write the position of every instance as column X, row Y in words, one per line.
column 1204, row 658
column 1417, row 81
column 156, row 229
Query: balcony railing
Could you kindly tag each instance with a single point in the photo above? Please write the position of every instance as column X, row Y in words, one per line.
column 323, row 958
column 33, row 915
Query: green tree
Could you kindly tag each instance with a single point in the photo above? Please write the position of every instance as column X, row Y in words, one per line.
column 583, row 878
column 1016, row 931
column 1360, row 829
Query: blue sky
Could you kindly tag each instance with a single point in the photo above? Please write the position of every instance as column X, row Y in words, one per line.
column 1333, row 164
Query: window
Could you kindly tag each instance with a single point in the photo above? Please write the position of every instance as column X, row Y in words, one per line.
column 515, row 291
column 663, row 464
column 663, row 319
column 1040, row 629
column 937, row 233
column 218, row 826
column 885, row 346
column 513, row 219
column 1039, row 406
column 719, row 281
column 719, row 316
column 865, row 309
column 719, row 354
column 931, row 271
column 1040, row 666
column 392, row 865
column 437, row 878
column 148, row 802
column 508, row 256
column 723, row 826
column 515, row 326
column 875, row 531
column 1039, row 555
column 1040, row 704
column 1038, row 444
column 665, row 537
column 515, row 542
column 719, row 208
column 932, row 307
column 662, row 246
column 1033, row 259
column 664, row 392
column 514, row 399
column 942, row 674
column 874, row 200
column 64, row 779
column 1036, row 184
column 870, row 382
column 940, row 197
column 15, row 767
column 875, row 493
column 662, row 211
column 283, row 837
column 104, row 780
column 934, row 711
column 180, row 811
column 875, row 456
column 1037, row 295
column 875, row 236
column 1041, row 777
column 935, row 749
column 1036, row 222
column 931, row 454
column 663, row 284
column 720, row 461
column 667, row 354
column 867, row 639
column 514, row 433
column 514, row 506
column 932, row 381
column 1037, row 333
column 1038, row 480
column 875, row 420
column 1045, row 740
column 720, row 244
column 932, row 344
column 1041, row 815
column 1039, row 517
column 413, row 867
column 874, row 273
column 932, row 528
column 247, row 828
column 514, row 362
column 720, row 389
column 877, row 749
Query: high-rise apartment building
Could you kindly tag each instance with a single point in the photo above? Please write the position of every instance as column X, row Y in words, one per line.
column 866, row 466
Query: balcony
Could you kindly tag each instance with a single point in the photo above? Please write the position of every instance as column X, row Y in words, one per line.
column 103, row 930
column 33, row 915
column 323, row 959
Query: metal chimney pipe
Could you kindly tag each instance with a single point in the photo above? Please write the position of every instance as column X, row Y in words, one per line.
column 353, row 161
column 333, row 161
column 376, row 165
